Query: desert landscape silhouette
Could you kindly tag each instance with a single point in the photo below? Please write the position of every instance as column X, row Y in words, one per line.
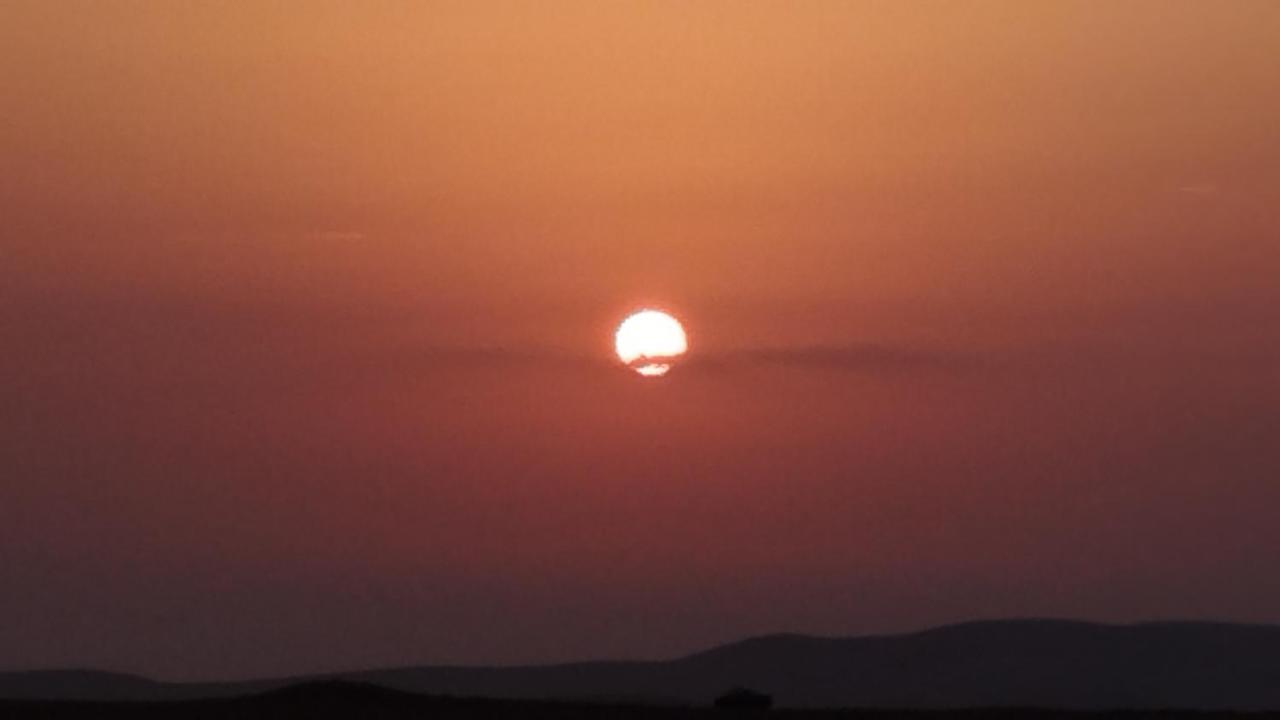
column 1035, row 667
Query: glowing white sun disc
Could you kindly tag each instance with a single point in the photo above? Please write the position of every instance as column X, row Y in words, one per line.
column 650, row 341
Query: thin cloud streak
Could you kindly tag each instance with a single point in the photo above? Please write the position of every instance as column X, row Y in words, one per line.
column 851, row 358
column 854, row 357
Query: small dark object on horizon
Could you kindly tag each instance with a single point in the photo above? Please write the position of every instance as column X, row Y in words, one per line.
column 742, row 698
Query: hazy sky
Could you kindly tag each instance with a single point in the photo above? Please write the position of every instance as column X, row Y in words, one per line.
column 306, row 314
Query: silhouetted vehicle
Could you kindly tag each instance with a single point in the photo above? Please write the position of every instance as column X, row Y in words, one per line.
column 741, row 698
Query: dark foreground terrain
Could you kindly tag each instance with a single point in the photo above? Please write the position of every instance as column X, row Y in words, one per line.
column 1024, row 663
column 336, row 699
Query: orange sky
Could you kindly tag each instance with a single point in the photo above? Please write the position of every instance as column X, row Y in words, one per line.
column 988, row 154
column 286, row 287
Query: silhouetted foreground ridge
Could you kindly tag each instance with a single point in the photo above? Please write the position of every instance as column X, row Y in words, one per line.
column 1025, row 663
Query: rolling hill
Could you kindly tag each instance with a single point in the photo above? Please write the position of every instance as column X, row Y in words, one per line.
column 1013, row 663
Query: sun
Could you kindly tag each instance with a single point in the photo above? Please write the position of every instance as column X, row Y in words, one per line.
column 650, row 341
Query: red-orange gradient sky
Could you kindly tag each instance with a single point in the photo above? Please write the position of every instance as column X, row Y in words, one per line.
column 305, row 315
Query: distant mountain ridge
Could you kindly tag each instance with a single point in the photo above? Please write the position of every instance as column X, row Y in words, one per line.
column 1006, row 663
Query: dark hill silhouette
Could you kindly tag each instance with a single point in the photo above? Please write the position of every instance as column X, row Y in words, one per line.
column 77, row 685
column 1022, row 663
column 318, row 700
